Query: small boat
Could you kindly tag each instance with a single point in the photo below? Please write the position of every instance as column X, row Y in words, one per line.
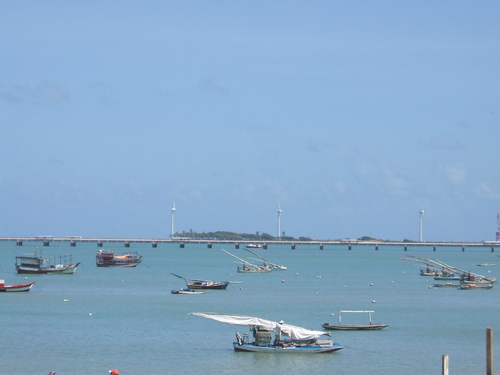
column 298, row 340
column 450, row 272
column 15, row 288
column 110, row 258
column 486, row 265
column 203, row 284
column 187, row 291
column 475, row 286
column 447, row 275
column 248, row 267
column 57, row 264
column 253, row 268
column 354, row 327
column 449, row 285
column 275, row 267
column 254, row 246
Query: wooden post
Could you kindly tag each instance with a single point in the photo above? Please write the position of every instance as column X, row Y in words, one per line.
column 489, row 351
column 445, row 365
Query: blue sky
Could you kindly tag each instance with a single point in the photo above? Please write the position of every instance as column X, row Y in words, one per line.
column 353, row 115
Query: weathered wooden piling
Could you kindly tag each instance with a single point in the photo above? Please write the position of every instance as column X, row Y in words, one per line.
column 489, row 351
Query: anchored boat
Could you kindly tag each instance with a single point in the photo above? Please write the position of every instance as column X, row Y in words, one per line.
column 298, row 340
column 354, row 327
column 275, row 267
column 203, row 284
column 15, row 288
column 187, row 291
column 110, row 258
column 31, row 263
column 248, row 267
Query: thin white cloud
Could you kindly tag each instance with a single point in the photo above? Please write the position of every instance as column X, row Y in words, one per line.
column 43, row 93
column 456, row 173
column 483, row 190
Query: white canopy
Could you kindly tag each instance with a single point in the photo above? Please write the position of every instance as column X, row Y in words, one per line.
column 294, row 332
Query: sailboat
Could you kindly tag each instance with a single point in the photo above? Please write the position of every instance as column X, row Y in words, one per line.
column 298, row 340
column 453, row 273
column 276, row 267
column 248, row 267
column 203, row 284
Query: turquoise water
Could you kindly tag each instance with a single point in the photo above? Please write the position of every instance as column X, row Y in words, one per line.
column 126, row 318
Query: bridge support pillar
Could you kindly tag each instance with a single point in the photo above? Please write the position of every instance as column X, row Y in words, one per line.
column 154, row 245
column 72, row 243
column 209, row 245
column 46, row 243
column 406, row 248
column 293, row 246
column 99, row 243
column 181, row 245
column 321, row 246
column 434, row 248
column 19, row 243
column 492, row 249
column 463, row 249
column 349, row 247
column 127, row 244
column 376, row 247
column 236, row 245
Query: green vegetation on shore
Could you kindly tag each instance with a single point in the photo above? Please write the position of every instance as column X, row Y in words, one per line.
column 231, row 236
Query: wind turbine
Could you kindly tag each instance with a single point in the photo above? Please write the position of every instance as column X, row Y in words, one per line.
column 498, row 222
column 420, row 232
column 279, row 220
column 173, row 214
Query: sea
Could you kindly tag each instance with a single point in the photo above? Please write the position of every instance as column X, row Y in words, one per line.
column 127, row 319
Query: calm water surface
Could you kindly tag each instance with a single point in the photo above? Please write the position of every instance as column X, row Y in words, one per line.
column 126, row 318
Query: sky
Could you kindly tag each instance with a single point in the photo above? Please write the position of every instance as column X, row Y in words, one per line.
column 352, row 116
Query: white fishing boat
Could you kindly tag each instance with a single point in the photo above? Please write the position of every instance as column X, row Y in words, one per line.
column 275, row 267
column 56, row 264
column 248, row 267
column 452, row 273
column 187, row 291
column 297, row 340
column 15, row 288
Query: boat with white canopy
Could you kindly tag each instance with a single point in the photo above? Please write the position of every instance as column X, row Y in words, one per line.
column 297, row 339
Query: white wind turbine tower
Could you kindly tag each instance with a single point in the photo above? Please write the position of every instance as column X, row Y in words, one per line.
column 279, row 220
column 173, row 214
column 420, row 232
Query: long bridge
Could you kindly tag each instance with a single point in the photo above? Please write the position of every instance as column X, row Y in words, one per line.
column 349, row 243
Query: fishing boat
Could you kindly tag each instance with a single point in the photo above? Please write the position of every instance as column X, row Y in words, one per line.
column 187, row 291
column 446, row 285
column 452, row 273
column 475, row 286
column 56, row 264
column 110, row 258
column 275, row 267
column 204, row 284
column 248, row 267
column 15, row 288
column 429, row 271
column 354, row 327
column 297, row 340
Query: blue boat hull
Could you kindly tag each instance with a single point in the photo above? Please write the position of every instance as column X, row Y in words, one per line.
column 309, row 349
